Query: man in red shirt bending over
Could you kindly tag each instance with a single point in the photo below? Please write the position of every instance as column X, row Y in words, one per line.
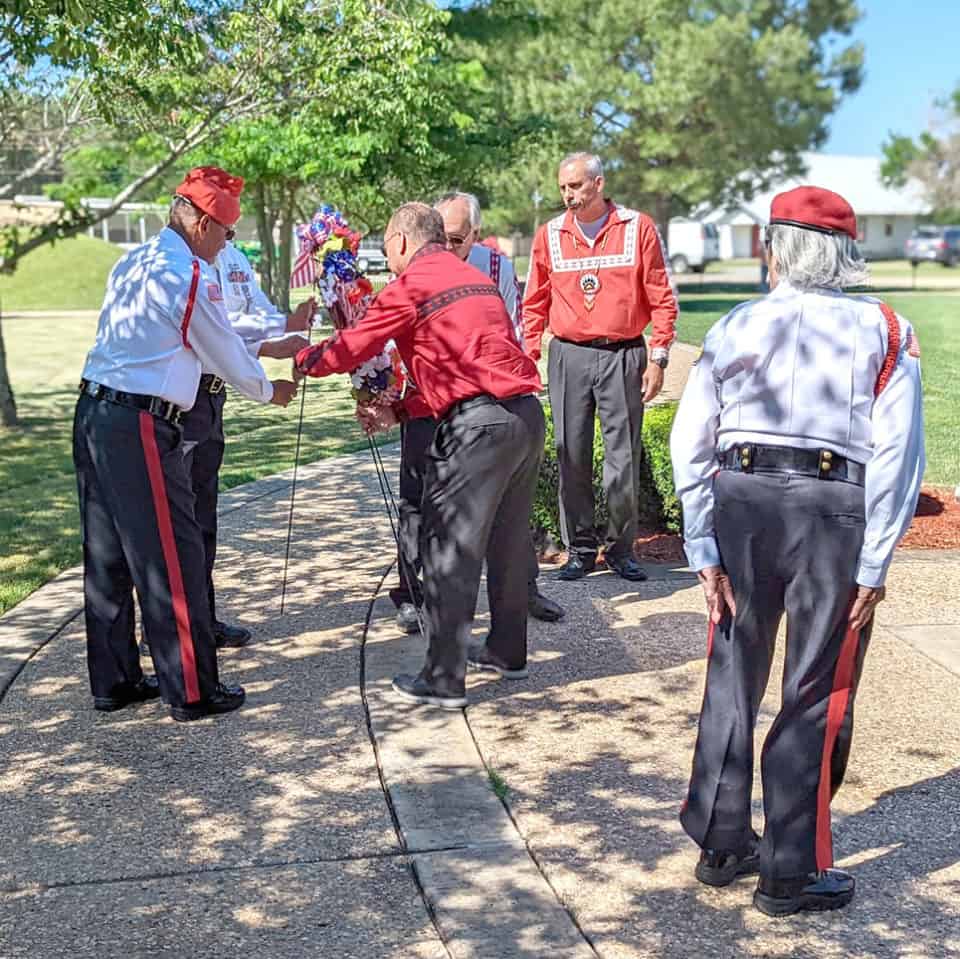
column 598, row 281
column 456, row 339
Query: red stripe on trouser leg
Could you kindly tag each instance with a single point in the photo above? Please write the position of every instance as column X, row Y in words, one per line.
column 181, row 612
column 836, row 710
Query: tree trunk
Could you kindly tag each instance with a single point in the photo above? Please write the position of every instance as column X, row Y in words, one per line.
column 265, row 233
column 661, row 216
column 8, row 405
column 284, row 260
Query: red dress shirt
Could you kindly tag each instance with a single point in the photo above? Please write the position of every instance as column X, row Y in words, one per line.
column 452, row 331
column 634, row 285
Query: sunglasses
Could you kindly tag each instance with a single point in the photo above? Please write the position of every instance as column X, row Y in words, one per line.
column 230, row 233
column 455, row 239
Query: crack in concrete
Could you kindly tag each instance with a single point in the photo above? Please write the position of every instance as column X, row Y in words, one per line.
column 263, row 865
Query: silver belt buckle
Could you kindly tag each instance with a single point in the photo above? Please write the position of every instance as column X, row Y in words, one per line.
column 216, row 385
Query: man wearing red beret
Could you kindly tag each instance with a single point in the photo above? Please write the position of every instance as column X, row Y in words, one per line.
column 162, row 321
column 798, row 454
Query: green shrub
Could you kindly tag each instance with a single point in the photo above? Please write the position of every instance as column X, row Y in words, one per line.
column 659, row 506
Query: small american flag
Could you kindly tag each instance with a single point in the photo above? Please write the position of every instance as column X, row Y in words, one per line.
column 304, row 270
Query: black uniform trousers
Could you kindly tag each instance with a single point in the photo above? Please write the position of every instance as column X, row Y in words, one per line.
column 203, row 450
column 585, row 381
column 138, row 530
column 789, row 544
column 416, row 437
column 478, row 490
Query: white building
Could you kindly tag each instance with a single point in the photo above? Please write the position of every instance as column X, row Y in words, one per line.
column 131, row 225
column 885, row 216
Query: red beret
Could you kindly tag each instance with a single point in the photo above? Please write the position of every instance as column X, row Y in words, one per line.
column 813, row 208
column 214, row 191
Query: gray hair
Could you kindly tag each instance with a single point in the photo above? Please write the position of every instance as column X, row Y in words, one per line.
column 591, row 163
column 808, row 258
column 421, row 223
column 182, row 209
column 473, row 205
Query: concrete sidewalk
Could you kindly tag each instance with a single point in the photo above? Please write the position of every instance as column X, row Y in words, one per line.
column 326, row 819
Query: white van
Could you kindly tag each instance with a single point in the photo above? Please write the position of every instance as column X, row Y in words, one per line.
column 692, row 245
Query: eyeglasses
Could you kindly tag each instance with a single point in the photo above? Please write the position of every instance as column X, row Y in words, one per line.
column 229, row 233
column 386, row 240
column 455, row 239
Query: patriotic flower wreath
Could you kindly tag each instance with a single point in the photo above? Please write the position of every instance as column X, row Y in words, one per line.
column 328, row 259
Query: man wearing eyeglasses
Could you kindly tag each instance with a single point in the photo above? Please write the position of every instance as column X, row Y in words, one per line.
column 452, row 331
column 462, row 220
column 161, row 323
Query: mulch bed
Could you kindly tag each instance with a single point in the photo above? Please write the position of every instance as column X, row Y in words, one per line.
column 936, row 525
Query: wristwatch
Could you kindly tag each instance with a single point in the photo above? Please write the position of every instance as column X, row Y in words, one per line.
column 661, row 361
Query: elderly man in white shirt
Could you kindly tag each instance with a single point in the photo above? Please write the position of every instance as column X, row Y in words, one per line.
column 268, row 332
column 162, row 322
column 798, row 456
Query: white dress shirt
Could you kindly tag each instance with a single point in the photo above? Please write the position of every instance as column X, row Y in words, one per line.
column 250, row 312
column 145, row 344
column 483, row 258
column 799, row 368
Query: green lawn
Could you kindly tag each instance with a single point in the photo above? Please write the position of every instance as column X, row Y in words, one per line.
column 38, row 509
column 38, row 514
column 936, row 318
column 69, row 275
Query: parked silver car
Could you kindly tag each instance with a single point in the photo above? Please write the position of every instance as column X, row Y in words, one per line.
column 934, row 244
column 370, row 256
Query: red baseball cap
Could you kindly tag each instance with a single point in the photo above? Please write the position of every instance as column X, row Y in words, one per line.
column 214, row 191
column 813, row 208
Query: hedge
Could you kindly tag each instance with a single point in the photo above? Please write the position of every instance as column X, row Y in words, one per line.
column 659, row 506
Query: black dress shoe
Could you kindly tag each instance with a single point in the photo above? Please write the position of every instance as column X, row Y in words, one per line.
column 416, row 689
column 817, row 892
column 576, row 567
column 539, row 607
column 225, row 699
column 626, row 567
column 483, row 661
column 226, row 635
column 719, row 867
column 128, row 694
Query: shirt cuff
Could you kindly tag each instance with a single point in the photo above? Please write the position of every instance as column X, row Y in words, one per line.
column 702, row 552
column 872, row 574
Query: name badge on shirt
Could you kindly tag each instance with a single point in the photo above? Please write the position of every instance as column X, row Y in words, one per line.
column 213, row 293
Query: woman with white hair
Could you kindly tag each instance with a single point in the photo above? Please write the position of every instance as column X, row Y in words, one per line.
column 797, row 454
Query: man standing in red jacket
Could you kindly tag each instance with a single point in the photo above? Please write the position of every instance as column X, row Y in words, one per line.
column 597, row 281
column 455, row 337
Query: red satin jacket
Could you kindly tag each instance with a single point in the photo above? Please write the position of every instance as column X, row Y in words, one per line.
column 451, row 329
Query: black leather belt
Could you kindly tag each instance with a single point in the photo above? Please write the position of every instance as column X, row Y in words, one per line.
column 823, row 463
column 461, row 406
column 605, row 343
column 212, row 383
column 163, row 409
